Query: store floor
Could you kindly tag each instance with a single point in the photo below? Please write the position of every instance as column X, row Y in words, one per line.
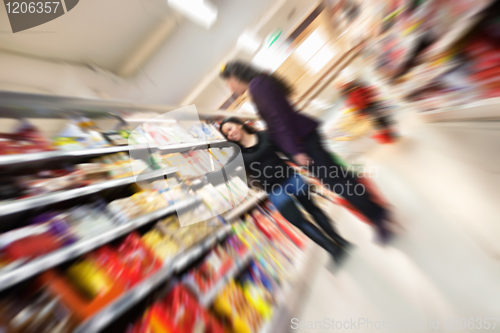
column 443, row 182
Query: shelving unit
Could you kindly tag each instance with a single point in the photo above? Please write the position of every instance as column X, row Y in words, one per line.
column 207, row 299
column 487, row 109
column 106, row 316
column 422, row 75
column 37, row 266
column 51, row 198
column 26, row 105
column 37, row 106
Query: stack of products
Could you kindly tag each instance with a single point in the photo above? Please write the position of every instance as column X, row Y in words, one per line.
column 246, row 301
column 101, row 276
column 167, row 238
column 60, row 298
column 216, row 200
column 51, row 231
column 80, row 134
column 83, row 133
column 55, row 229
column 25, row 139
column 474, row 72
column 411, row 29
column 80, row 175
column 171, row 132
column 204, row 131
column 211, row 271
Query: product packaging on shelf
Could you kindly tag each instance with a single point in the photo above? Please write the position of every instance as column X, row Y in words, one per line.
column 235, row 308
column 32, row 310
column 24, row 140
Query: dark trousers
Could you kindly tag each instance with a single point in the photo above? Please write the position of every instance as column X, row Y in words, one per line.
column 339, row 181
column 326, row 237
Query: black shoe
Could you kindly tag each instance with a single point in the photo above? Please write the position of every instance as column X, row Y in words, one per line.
column 340, row 255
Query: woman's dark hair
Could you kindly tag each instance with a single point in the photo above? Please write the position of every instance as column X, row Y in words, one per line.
column 247, row 128
column 245, row 72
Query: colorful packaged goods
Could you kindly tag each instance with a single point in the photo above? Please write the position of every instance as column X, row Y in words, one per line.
column 137, row 257
column 25, row 139
column 109, row 262
column 90, row 280
column 186, row 314
column 210, row 272
column 165, row 247
column 80, row 134
column 235, row 309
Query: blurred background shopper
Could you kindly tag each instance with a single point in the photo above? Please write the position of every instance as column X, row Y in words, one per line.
column 281, row 182
column 362, row 98
column 296, row 135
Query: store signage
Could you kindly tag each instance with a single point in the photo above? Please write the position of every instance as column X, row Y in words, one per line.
column 27, row 14
column 274, row 37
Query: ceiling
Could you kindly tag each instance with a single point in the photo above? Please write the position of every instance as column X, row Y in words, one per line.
column 162, row 56
column 103, row 33
column 192, row 52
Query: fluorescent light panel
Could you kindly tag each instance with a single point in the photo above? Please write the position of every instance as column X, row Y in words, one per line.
column 201, row 12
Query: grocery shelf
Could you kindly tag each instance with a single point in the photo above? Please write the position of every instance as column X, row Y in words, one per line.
column 51, row 198
column 49, row 155
column 291, row 293
column 486, row 109
column 209, row 297
column 106, row 316
column 411, row 86
column 193, row 145
column 28, row 105
column 461, row 27
column 6, row 160
column 73, row 251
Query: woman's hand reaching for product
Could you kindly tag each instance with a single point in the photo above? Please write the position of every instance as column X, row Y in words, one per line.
column 302, row 159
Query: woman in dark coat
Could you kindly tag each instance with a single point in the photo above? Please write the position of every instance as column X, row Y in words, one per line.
column 297, row 136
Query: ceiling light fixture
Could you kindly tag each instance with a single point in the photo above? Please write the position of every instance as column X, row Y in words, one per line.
column 202, row 12
column 248, row 41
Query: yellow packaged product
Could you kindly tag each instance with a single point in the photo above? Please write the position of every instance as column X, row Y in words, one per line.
column 89, row 278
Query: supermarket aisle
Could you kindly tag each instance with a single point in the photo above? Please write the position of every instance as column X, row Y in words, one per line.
column 445, row 265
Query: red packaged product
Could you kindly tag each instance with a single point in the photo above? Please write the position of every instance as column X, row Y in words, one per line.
column 107, row 260
column 157, row 321
column 486, row 74
column 187, row 313
column 32, row 246
column 26, row 139
column 268, row 228
column 215, row 266
column 137, row 257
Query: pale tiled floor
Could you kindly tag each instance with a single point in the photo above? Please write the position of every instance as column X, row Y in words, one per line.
column 443, row 181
